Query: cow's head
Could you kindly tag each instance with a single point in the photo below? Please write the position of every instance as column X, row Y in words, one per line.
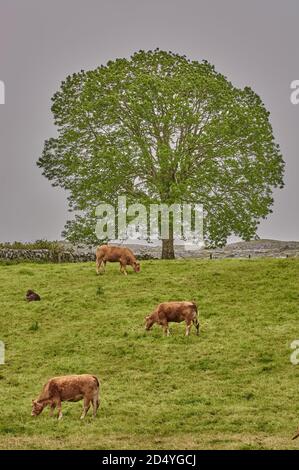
column 37, row 408
column 136, row 267
column 149, row 321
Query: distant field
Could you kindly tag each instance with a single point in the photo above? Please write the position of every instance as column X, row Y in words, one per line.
column 233, row 387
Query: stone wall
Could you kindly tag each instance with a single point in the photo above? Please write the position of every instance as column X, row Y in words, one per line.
column 80, row 253
column 63, row 256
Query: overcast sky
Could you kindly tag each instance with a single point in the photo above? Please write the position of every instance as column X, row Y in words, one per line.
column 252, row 42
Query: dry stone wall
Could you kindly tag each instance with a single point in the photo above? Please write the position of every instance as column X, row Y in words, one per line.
column 80, row 253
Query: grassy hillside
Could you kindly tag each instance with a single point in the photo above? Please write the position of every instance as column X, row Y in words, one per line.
column 231, row 387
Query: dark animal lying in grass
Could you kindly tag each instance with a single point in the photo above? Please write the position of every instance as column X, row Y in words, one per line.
column 68, row 388
column 31, row 296
column 174, row 312
column 123, row 255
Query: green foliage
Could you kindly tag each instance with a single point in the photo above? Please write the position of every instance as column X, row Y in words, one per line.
column 160, row 128
column 232, row 387
column 37, row 245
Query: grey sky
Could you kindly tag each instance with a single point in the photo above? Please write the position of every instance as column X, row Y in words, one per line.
column 252, row 42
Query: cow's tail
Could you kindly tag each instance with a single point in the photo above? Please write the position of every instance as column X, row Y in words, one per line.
column 296, row 435
column 97, row 380
column 195, row 307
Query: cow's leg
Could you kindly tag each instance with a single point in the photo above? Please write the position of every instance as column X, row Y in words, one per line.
column 98, row 264
column 58, row 404
column 196, row 324
column 95, row 404
column 52, row 408
column 103, row 265
column 86, row 406
column 188, row 327
column 123, row 268
column 166, row 328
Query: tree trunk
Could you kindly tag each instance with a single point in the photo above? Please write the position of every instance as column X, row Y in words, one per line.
column 167, row 243
column 167, row 248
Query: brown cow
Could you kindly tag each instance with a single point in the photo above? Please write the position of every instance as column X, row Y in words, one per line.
column 174, row 312
column 121, row 254
column 68, row 388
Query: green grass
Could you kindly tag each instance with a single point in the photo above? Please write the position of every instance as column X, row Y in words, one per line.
column 233, row 387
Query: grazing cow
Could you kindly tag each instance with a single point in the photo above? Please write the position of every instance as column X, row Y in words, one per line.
column 31, row 296
column 123, row 255
column 68, row 388
column 174, row 312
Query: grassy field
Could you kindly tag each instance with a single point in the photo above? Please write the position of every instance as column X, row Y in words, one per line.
column 233, row 387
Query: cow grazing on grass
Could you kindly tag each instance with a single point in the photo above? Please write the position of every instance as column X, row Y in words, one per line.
column 174, row 312
column 119, row 254
column 32, row 296
column 68, row 388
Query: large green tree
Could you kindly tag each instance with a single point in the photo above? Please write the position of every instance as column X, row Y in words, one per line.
column 160, row 128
